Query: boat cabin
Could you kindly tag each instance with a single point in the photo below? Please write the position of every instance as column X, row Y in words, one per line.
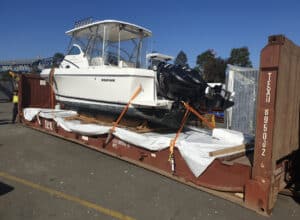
column 108, row 42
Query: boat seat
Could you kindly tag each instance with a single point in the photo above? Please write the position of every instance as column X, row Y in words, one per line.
column 96, row 61
column 124, row 63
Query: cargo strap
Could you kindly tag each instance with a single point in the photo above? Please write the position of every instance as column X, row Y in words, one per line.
column 183, row 121
column 200, row 117
column 125, row 109
column 173, row 141
column 38, row 118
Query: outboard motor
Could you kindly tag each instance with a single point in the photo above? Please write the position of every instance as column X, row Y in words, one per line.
column 184, row 84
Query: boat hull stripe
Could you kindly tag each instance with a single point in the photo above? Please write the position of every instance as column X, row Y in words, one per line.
column 90, row 100
column 103, row 75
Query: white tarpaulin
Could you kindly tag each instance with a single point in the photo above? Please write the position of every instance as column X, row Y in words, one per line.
column 194, row 145
column 30, row 113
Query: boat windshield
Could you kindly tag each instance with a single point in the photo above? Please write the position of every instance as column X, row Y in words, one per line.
column 113, row 44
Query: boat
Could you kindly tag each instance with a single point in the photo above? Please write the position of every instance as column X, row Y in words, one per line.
column 107, row 61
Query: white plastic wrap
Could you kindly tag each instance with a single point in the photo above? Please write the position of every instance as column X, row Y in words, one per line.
column 84, row 129
column 194, row 144
column 31, row 113
column 231, row 136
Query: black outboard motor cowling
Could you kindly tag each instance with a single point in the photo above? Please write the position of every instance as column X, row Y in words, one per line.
column 184, row 84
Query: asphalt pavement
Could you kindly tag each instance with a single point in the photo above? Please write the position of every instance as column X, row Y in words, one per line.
column 44, row 177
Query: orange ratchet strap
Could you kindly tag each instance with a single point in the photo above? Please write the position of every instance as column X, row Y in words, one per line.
column 116, row 123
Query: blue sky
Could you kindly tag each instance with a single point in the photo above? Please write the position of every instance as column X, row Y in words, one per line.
column 36, row 28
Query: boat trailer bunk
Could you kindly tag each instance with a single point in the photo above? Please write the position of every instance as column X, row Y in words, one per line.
column 251, row 180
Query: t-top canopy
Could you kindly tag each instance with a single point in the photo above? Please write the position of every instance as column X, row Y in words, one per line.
column 111, row 29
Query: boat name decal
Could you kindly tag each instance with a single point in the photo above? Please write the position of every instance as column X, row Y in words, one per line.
column 107, row 80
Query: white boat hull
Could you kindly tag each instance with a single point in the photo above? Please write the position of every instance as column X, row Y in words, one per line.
column 107, row 85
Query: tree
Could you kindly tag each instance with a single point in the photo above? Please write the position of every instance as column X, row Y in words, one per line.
column 212, row 67
column 204, row 58
column 240, row 57
column 220, row 69
column 181, row 59
column 57, row 58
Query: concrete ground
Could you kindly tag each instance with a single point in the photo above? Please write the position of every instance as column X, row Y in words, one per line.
column 44, row 177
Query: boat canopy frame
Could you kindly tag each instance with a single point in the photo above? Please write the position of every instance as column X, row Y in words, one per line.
column 116, row 38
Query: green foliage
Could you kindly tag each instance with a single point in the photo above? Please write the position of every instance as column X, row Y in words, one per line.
column 212, row 67
column 204, row 58
column 240, row 57
column 181, row 59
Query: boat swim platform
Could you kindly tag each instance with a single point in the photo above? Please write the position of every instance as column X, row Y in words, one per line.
column 250, row 180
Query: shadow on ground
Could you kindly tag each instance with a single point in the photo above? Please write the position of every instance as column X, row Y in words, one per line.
column 4, row 188
column 296, row 195
column 4, row 100
column 4, row 122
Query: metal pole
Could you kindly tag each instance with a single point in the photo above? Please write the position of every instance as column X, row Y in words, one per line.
column 119, row 46
column 103, row 43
